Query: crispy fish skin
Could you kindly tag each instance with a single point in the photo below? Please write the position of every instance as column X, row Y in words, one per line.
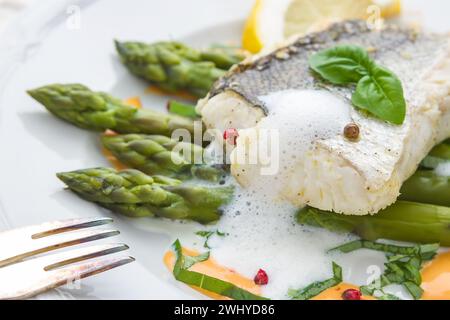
column 354, row 178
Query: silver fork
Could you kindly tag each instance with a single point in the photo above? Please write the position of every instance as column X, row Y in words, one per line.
column 26, row 272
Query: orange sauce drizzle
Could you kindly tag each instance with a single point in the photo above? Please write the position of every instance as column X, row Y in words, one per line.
column 134, row 101
column 335, row 293
column 113, row 160
column 213, row 269
column 435, row 278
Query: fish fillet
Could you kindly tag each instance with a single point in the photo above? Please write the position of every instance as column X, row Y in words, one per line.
column 354, row 178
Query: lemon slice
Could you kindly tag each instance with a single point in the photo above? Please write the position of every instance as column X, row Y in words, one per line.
column 272, row 21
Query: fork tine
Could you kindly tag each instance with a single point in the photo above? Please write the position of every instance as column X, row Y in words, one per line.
column 90, row 268
column 57, row 242
column 84, row 270
column 73, row 256
column 37, row 280
column 56, row 227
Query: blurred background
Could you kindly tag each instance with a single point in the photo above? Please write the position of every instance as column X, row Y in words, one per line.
column 9, row 9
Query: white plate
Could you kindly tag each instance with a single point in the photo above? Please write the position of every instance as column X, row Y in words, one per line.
column 46, row 45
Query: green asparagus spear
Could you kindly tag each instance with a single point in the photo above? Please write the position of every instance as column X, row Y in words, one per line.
column 173, row 66
column 182, row 109
column 135, row 194
column 224, row 57
column 427, row 187
column 441, row 151
column 403, row 221
column 439, row 154
column 153, row 154
column 99, row 111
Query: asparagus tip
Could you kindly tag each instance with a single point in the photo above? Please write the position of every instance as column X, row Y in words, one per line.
column 33, row 93
column 120, row 47
column 64, row 176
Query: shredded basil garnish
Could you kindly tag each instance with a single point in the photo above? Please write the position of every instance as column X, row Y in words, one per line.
column 206, row 282
column 426, row 251
column 378, row 90
column 318, row 287
column 387, row 296
column 208, row 234
column 190, row 261
column 402, row 267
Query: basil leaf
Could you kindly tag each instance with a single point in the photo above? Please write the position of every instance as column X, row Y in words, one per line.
column 428, row 251
column 415, row 290
column 396, row 257
column 377, row 292
column 378, row 90
column 388, row 296
column 318, row 287
column 337, row 272
column 215, row 285
column 341, row 64
column 349, row 247
column 388, row 248
column 206, row 282
column 402, row 267
column 182, row 109
column 392, row 277
column 368, row 290
column 204, row 234
column 381, row 94
column 413, row 273
column 313, row 289
column 221, row 234
column 395, row 269
column 208, row 234
column 190, row 261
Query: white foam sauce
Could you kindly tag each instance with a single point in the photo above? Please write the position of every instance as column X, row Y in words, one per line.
column 262, row 230
column 263, row 234
column 301, row 117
